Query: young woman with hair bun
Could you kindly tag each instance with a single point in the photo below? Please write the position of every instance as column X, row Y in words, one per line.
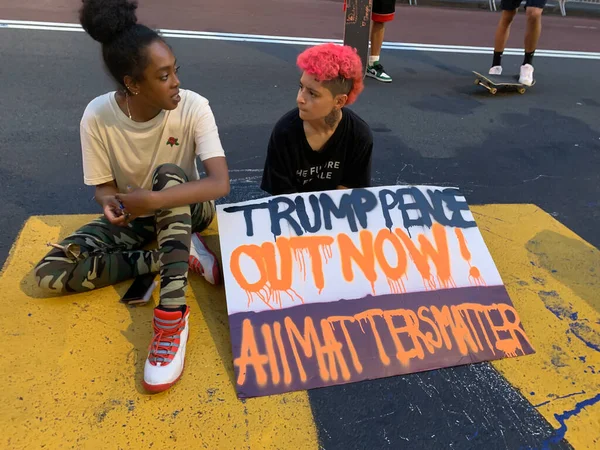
column 139, row 148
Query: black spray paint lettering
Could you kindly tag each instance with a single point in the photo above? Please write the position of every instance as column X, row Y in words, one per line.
column 355, row 206
column 426, row 211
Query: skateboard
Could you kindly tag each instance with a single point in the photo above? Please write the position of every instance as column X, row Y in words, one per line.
column 493, row 82
column 357, row 27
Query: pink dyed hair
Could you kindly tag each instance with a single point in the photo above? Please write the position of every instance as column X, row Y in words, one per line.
column 328, row 62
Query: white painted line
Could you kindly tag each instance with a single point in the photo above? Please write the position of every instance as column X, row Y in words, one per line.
column 27, row 22
column 291, row 40
column 40, row 27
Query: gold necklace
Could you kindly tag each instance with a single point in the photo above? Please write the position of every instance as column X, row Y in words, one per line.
column 127, row 103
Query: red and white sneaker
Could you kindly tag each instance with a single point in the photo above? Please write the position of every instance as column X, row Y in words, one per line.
column 166, row 356
column 203, row 261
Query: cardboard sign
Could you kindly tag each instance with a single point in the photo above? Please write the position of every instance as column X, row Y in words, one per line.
column 340, row 286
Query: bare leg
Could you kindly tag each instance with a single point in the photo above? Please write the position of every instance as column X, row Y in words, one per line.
column 534, row 28
column 377, row 31
column 503, row 30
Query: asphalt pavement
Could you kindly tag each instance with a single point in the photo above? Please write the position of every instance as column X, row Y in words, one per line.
column 432, row 125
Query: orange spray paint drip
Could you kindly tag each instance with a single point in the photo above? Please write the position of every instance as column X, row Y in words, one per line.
column 272, row 297
column 438, row 254
column 299, row 257
column 394, row 275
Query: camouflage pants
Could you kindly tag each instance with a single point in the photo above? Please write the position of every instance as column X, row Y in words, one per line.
column 101, row 254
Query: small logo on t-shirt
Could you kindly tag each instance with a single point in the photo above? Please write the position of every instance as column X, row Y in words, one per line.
column 173, row 141
column 322, row 172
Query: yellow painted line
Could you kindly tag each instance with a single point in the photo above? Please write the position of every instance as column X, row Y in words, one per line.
column 553, row 278
column 72, row 365
column 72, row 369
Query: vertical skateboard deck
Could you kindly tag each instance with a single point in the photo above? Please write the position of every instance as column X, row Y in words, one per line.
column 357, row 27
column 493, row 82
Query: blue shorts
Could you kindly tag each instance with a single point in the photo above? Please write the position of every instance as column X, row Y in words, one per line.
column 511, row 5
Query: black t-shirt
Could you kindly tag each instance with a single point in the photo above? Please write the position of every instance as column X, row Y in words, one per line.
column 293, row 166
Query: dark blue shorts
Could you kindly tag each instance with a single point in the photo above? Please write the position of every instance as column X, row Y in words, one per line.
column 511, row 5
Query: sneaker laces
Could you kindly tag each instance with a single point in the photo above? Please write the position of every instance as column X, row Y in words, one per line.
column 163, row 341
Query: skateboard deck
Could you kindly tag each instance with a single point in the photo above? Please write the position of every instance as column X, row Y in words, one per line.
column 493, row 82
column 357, row 27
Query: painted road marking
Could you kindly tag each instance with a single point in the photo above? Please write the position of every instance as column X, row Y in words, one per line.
column 73, row 365
column 290, row 40
column 553, row 279
column 72, row 369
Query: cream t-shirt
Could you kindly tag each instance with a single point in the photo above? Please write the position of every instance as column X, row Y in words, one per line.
column 114, row 147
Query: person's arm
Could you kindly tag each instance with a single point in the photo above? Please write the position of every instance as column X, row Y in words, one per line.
column 97, row 172
column 216, row 185
column 212, row 187
column 210, row 150
column 277, row 176
column 105, row 191
column 105, row 196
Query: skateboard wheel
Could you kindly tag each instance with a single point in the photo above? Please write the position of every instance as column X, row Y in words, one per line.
column 493, row 90
column 476, row 82
column 521, row 90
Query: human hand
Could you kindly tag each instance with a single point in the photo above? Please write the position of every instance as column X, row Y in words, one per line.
column 113, row 211
column 137, row 202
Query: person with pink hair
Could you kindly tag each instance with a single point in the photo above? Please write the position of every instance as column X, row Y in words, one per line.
column 321, row 144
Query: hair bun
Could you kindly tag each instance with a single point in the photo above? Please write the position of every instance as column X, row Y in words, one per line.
column 105, row 20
